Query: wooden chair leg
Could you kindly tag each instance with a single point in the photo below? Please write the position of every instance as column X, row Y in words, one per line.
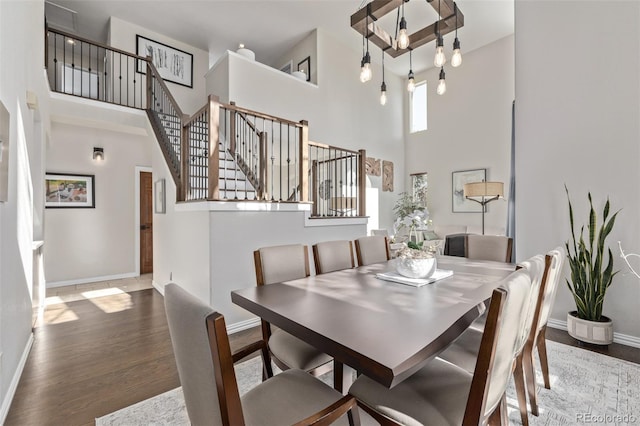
column 499, row 416
column 267, row 371
column 530, row 377
column 518, row 377
column 338, row 376
column 354, row 416
column 542, row 353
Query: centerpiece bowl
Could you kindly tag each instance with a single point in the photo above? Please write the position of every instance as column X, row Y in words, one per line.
column 413, row 263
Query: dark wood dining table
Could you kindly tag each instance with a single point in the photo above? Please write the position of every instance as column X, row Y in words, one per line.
column 382, row 329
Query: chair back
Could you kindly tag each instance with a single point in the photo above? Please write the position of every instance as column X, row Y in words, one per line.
column 372, row 250
column 554, row 275
column 537, row 269
column 281, row 263
column 332, row 256
column 488, row 247
column 496, row 355
column 202, row 362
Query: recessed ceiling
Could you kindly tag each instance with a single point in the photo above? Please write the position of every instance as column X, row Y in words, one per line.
column 272, row 27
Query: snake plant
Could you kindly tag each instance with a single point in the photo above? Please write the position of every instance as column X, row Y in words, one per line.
column 590, row 278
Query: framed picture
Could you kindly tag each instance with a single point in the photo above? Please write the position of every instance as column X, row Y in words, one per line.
column 419, row 187
column 173, row 64
column 69, row 191
column 305, row 67
column 159, row 196
column 387, row 176
column 461, row 204
column 287, row 67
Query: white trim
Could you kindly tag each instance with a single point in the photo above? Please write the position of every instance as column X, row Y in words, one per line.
column 136, row 214
column 623, row 339
column 11, row 392
column 90, row 280
column 158, row 287
column 240, row 206
column 243, row 325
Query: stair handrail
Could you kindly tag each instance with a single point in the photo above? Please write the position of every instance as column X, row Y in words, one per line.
column 164, row 87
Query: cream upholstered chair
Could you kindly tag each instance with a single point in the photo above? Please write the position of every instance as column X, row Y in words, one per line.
column 435, row 395
column 372, row 250
column 554, row 261
column 464, row 351
column 205, row 367
column 330, row 256
column 273, row 265
column 488, row 247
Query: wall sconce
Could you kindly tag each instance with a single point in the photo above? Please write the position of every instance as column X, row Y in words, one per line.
column 98, row 154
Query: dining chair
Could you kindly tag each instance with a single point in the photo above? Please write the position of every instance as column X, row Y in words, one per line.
column 373, row 249
column 488, row 247
column 554, row 261
column 205, row 367
column 436, row 393
column 464, row 351
column 330, row 256
column 273, row 265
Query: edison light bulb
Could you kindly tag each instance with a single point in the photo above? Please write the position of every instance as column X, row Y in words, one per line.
column 365, row 70
column 411, row 84
column 439, row 59
column 403, row 37
column 383, row 94
column 456, row 59
column 442, row 84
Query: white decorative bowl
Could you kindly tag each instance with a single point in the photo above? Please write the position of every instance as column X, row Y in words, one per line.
column 416, row 268
column 299, row 74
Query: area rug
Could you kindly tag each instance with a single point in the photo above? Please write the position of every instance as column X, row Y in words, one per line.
column 586, row 387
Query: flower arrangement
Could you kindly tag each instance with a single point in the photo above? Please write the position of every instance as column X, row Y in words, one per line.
column 411, row 216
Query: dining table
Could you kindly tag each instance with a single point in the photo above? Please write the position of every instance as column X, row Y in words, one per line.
column 384, row 330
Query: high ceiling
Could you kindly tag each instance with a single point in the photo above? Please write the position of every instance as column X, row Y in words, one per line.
column 271, row 27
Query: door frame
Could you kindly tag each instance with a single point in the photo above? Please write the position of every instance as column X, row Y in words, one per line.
column 136, row 222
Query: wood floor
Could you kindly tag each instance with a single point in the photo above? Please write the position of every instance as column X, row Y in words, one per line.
column 93, row 357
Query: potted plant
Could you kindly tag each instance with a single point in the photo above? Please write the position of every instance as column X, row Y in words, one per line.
column 591, row 276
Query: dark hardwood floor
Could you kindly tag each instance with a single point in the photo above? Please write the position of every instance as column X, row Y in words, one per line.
column 93, row 357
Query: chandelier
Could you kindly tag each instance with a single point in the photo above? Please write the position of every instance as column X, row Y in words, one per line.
column 450, row 18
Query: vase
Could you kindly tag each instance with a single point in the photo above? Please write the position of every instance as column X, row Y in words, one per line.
column 416, row 268
column 594, row 332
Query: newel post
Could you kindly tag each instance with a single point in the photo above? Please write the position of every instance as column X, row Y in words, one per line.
column 232, row 129
column 214, row 147
column 362, row 182
column 304, row 161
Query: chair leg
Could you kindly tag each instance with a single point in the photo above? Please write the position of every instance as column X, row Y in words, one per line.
column 354, row 416
column 499, row 416
column 518, row 377
column 530, row 377
column 267, row 371
column 542, row 353
column 338, row 376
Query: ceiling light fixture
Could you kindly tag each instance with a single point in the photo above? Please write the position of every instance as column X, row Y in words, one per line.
column 366, row 22
column 383, row 87
column 456, row 58
column 411, row 83
column 442, row 84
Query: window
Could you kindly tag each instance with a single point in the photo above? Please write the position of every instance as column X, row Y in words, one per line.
column 418, row 108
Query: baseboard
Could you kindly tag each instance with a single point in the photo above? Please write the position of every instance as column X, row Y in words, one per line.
column 243, row 325
column 11, row 391
column 623, row 339
column 90, row 280
column 158, row 287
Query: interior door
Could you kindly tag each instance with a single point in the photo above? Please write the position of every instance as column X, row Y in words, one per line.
column 146, row 223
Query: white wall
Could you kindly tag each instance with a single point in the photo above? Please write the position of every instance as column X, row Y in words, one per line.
column 469, row 127
column 578, row 123
column 122, row 35
column 83, row 244
column 341, row 111
column 308, row 47
column 21, row 34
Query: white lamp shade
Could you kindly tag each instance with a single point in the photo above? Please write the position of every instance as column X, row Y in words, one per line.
column 484, row 189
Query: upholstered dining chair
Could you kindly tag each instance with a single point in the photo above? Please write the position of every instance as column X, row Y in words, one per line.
column 273, row 265
column 330, row 256
column 436, row 393
column 205, row 367
column 464, row 351
column 373, row 249
column 554, row 261
column 488, row 247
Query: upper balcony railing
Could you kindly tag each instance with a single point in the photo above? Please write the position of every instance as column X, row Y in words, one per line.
column 223, row 151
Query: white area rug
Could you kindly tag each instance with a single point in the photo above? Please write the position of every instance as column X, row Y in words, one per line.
column 586, row 388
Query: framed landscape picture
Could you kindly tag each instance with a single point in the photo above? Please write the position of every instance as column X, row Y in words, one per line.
column 69, row 191
column 461, row 204
column 173, row 64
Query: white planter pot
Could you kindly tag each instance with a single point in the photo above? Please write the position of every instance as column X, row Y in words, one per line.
column 416, row 268
column 595, row 332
